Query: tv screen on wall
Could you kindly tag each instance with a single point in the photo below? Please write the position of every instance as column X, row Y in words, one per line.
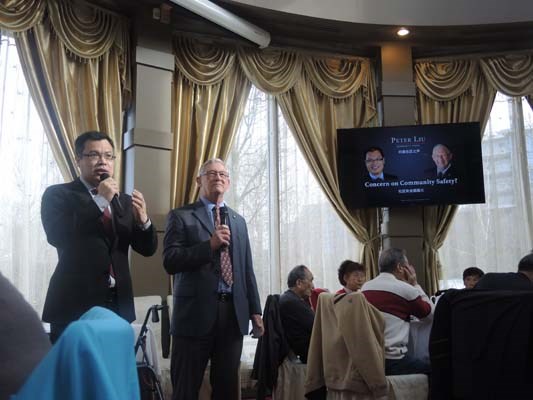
column 411, row 165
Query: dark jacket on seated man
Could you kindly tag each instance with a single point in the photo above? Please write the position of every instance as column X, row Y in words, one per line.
column 521, row 280
column 480, row 347
column 297, row 316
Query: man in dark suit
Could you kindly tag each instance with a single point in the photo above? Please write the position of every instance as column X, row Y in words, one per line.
column 442, row 157
column 296, row 314
column 215, row 291
column 92, row 235
column 375, row 163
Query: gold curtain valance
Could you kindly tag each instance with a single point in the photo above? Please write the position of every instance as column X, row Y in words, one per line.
column 338, row 78
column 446, row 81
column 202, row 65
column 272, row 71
column 85, row 31
column 21, row 15
column 511, row 75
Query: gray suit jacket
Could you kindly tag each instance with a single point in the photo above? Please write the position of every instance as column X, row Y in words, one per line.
column 187, row 255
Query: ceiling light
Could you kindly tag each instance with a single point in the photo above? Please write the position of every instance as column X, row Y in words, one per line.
column 402, row 32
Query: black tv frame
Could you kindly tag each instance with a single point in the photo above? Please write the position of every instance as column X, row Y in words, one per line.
column 410, row 170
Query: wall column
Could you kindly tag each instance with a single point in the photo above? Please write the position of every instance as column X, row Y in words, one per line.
column 402, row 226
column 147, row 151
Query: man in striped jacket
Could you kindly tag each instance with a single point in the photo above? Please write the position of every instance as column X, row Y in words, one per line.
column 396, row 293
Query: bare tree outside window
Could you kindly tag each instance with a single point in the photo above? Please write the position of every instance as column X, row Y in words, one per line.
column 309, row 230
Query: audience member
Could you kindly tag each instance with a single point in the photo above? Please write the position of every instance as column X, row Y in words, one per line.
column 352, row 276
column 297, row 316
column 23, row 340
column 396, row 293
column 521, row 280
column 471, row 276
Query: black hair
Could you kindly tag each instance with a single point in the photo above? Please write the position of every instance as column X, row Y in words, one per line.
column 473, row 271
column 79, row 144
column 374, row 148
column 526, row 263
column 348, row 267
column 296, row 273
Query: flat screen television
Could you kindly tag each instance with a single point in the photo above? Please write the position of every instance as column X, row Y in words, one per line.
column 411, row 165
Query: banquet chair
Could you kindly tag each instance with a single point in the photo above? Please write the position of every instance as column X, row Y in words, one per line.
column 346, row 359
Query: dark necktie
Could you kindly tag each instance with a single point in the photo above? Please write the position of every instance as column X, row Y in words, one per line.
column 225, row 258
column 440, row 175
column 107, row 222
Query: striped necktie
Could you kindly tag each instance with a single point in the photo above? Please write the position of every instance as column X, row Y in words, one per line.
column 225, row 258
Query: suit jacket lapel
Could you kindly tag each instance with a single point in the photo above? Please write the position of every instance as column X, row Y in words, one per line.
column 237, row 240
column 200, row 213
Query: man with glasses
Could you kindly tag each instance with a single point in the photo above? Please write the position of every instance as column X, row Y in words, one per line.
column 207, row 250
column 92, row 238
column 295, row 311
column 375, row 163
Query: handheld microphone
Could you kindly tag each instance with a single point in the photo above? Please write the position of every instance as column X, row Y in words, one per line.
column 224, row 216
column 115, row 203
column 224, row 219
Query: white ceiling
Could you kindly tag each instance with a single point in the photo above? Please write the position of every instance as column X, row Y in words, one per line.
column 406, row 12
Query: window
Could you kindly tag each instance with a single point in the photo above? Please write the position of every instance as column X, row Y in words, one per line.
column 28, row 167
column 494, row 236
column 290, row 220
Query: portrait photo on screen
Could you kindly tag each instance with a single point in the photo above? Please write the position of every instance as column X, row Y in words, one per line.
column 410, row 165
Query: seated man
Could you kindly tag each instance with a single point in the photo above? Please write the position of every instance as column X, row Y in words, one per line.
column 471, row 276
column 396, row 293
column 296, row 314
column 352, row 276
column 521, row 280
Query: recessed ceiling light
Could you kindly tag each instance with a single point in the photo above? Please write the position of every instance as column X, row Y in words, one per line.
column 402, row 32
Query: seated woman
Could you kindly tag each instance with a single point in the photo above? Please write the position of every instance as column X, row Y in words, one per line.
column 352, row 276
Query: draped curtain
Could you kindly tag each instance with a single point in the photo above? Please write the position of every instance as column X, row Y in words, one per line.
column 462, row 91
column 316, row 96
column 209, row 96
column 75, row 59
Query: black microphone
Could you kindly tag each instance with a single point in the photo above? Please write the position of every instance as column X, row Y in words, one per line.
column 224, row 216
column 115, row 203
column 224, row 220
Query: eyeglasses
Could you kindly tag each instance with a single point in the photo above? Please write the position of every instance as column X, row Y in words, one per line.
column 214, row 174
column 371, row 160
column 94, row 156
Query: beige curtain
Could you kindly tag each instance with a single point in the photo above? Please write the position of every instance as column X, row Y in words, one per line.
column 75, row 60
column 209, row 96
column 462, row 91
column 317, row 96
